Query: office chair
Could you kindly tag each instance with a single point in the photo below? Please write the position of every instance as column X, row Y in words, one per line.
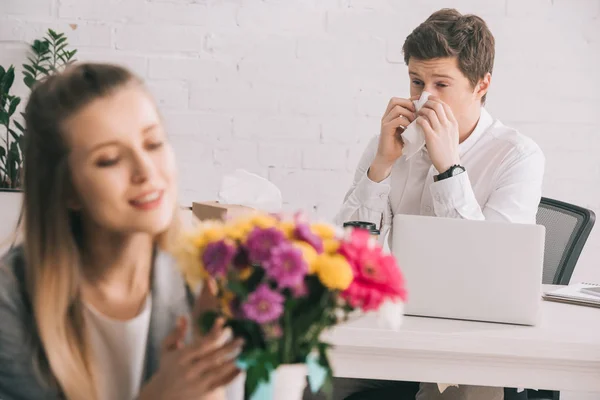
column 567, row 229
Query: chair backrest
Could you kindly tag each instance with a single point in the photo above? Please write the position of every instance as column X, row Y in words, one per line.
column 567, row 229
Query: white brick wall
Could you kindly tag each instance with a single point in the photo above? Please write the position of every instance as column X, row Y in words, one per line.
column 293, row 90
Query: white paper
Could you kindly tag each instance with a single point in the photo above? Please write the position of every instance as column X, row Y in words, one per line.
column 413, row 136
column 443, row 386
column 247, row 189
column 390, row 314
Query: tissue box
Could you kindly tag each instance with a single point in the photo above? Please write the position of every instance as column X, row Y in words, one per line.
column 215, row 210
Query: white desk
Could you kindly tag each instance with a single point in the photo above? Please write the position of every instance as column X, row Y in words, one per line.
column 561, row 353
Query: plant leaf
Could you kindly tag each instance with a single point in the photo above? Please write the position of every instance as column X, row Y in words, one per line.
column 29, row 81
column 3, row 118
column 29, row 68
column 207, row 320
column 8, row 79
column 42, row 69
column 13, row 106
column 61, row 40
column 19, row 126
column 15, row 135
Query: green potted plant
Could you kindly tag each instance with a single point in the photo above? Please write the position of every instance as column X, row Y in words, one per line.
column 46, row 56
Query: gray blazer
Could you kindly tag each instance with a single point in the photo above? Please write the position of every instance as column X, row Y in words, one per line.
column 19, row 374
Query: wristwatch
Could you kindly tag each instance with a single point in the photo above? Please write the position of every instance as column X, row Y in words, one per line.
column 452, row 171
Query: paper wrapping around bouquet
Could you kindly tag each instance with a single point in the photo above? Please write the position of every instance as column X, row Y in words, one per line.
column 316, row 373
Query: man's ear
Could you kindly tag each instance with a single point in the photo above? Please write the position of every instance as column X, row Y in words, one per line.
column 483, row 86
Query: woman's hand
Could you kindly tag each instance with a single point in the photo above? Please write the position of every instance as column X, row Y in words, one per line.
column 193, row 371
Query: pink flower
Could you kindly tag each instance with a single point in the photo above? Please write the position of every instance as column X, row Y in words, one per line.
column 299, row 290
column 376, row 275
column 217, row 257
column 304, row 233
column 260, row 243
column 286, row 266
column 273, row 330
column 263, row 305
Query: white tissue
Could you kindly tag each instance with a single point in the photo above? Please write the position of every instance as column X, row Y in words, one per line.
column 247, row 189
column 390, row 314
column 413, row 136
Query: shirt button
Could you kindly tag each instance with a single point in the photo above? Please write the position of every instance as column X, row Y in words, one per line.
column 428, row 209
column 382, row 196
column 438, row 197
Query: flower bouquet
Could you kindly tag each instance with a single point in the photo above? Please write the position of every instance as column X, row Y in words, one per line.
column 282, row 282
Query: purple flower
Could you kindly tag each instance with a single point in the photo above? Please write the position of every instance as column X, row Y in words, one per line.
column 263, row 305
column 303, row 232
column 261, row 242
column 286, row 265
column 217, row 257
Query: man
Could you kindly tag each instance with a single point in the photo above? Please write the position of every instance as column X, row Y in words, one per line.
column 471, row 167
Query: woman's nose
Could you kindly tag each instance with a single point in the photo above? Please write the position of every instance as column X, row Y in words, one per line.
column 142, row 168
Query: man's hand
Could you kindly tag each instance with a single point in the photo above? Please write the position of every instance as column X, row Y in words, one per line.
column 397, row 116
column 441, row 133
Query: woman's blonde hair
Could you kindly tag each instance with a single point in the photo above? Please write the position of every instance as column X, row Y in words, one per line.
column 51, row 232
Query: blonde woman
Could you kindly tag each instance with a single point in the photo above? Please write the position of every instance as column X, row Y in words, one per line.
column 91, row 307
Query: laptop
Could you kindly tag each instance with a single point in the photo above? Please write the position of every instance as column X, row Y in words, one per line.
column 471, row 270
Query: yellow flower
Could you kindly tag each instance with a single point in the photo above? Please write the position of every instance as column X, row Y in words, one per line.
column 309, row 254
column 263, row 221
column 238, row 231
column 324, row 231
column 287, row 227
column 331, row 246
column 226, row 299
column 207, row 233
column 246, row 273
column 334, row 271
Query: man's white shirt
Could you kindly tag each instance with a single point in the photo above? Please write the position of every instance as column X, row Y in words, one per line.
column 502, row 182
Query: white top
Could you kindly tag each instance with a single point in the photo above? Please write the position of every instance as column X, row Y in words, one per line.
column 119, row 351
column 503, row 182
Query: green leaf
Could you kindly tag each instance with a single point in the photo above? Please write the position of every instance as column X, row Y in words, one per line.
column 29, row 68
column 2, row 152
column 15, row 135
column 42, row 69
column 7, row 79
column 2, row 72
column 61, row 40
column 207, row 320
column 52, row 33
column 61, row 47
column 13, row 106
column 72, row 53
column 29, row 81
column 18, row 124
column 40, row 47
column 3, row 118
column 238, row 288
